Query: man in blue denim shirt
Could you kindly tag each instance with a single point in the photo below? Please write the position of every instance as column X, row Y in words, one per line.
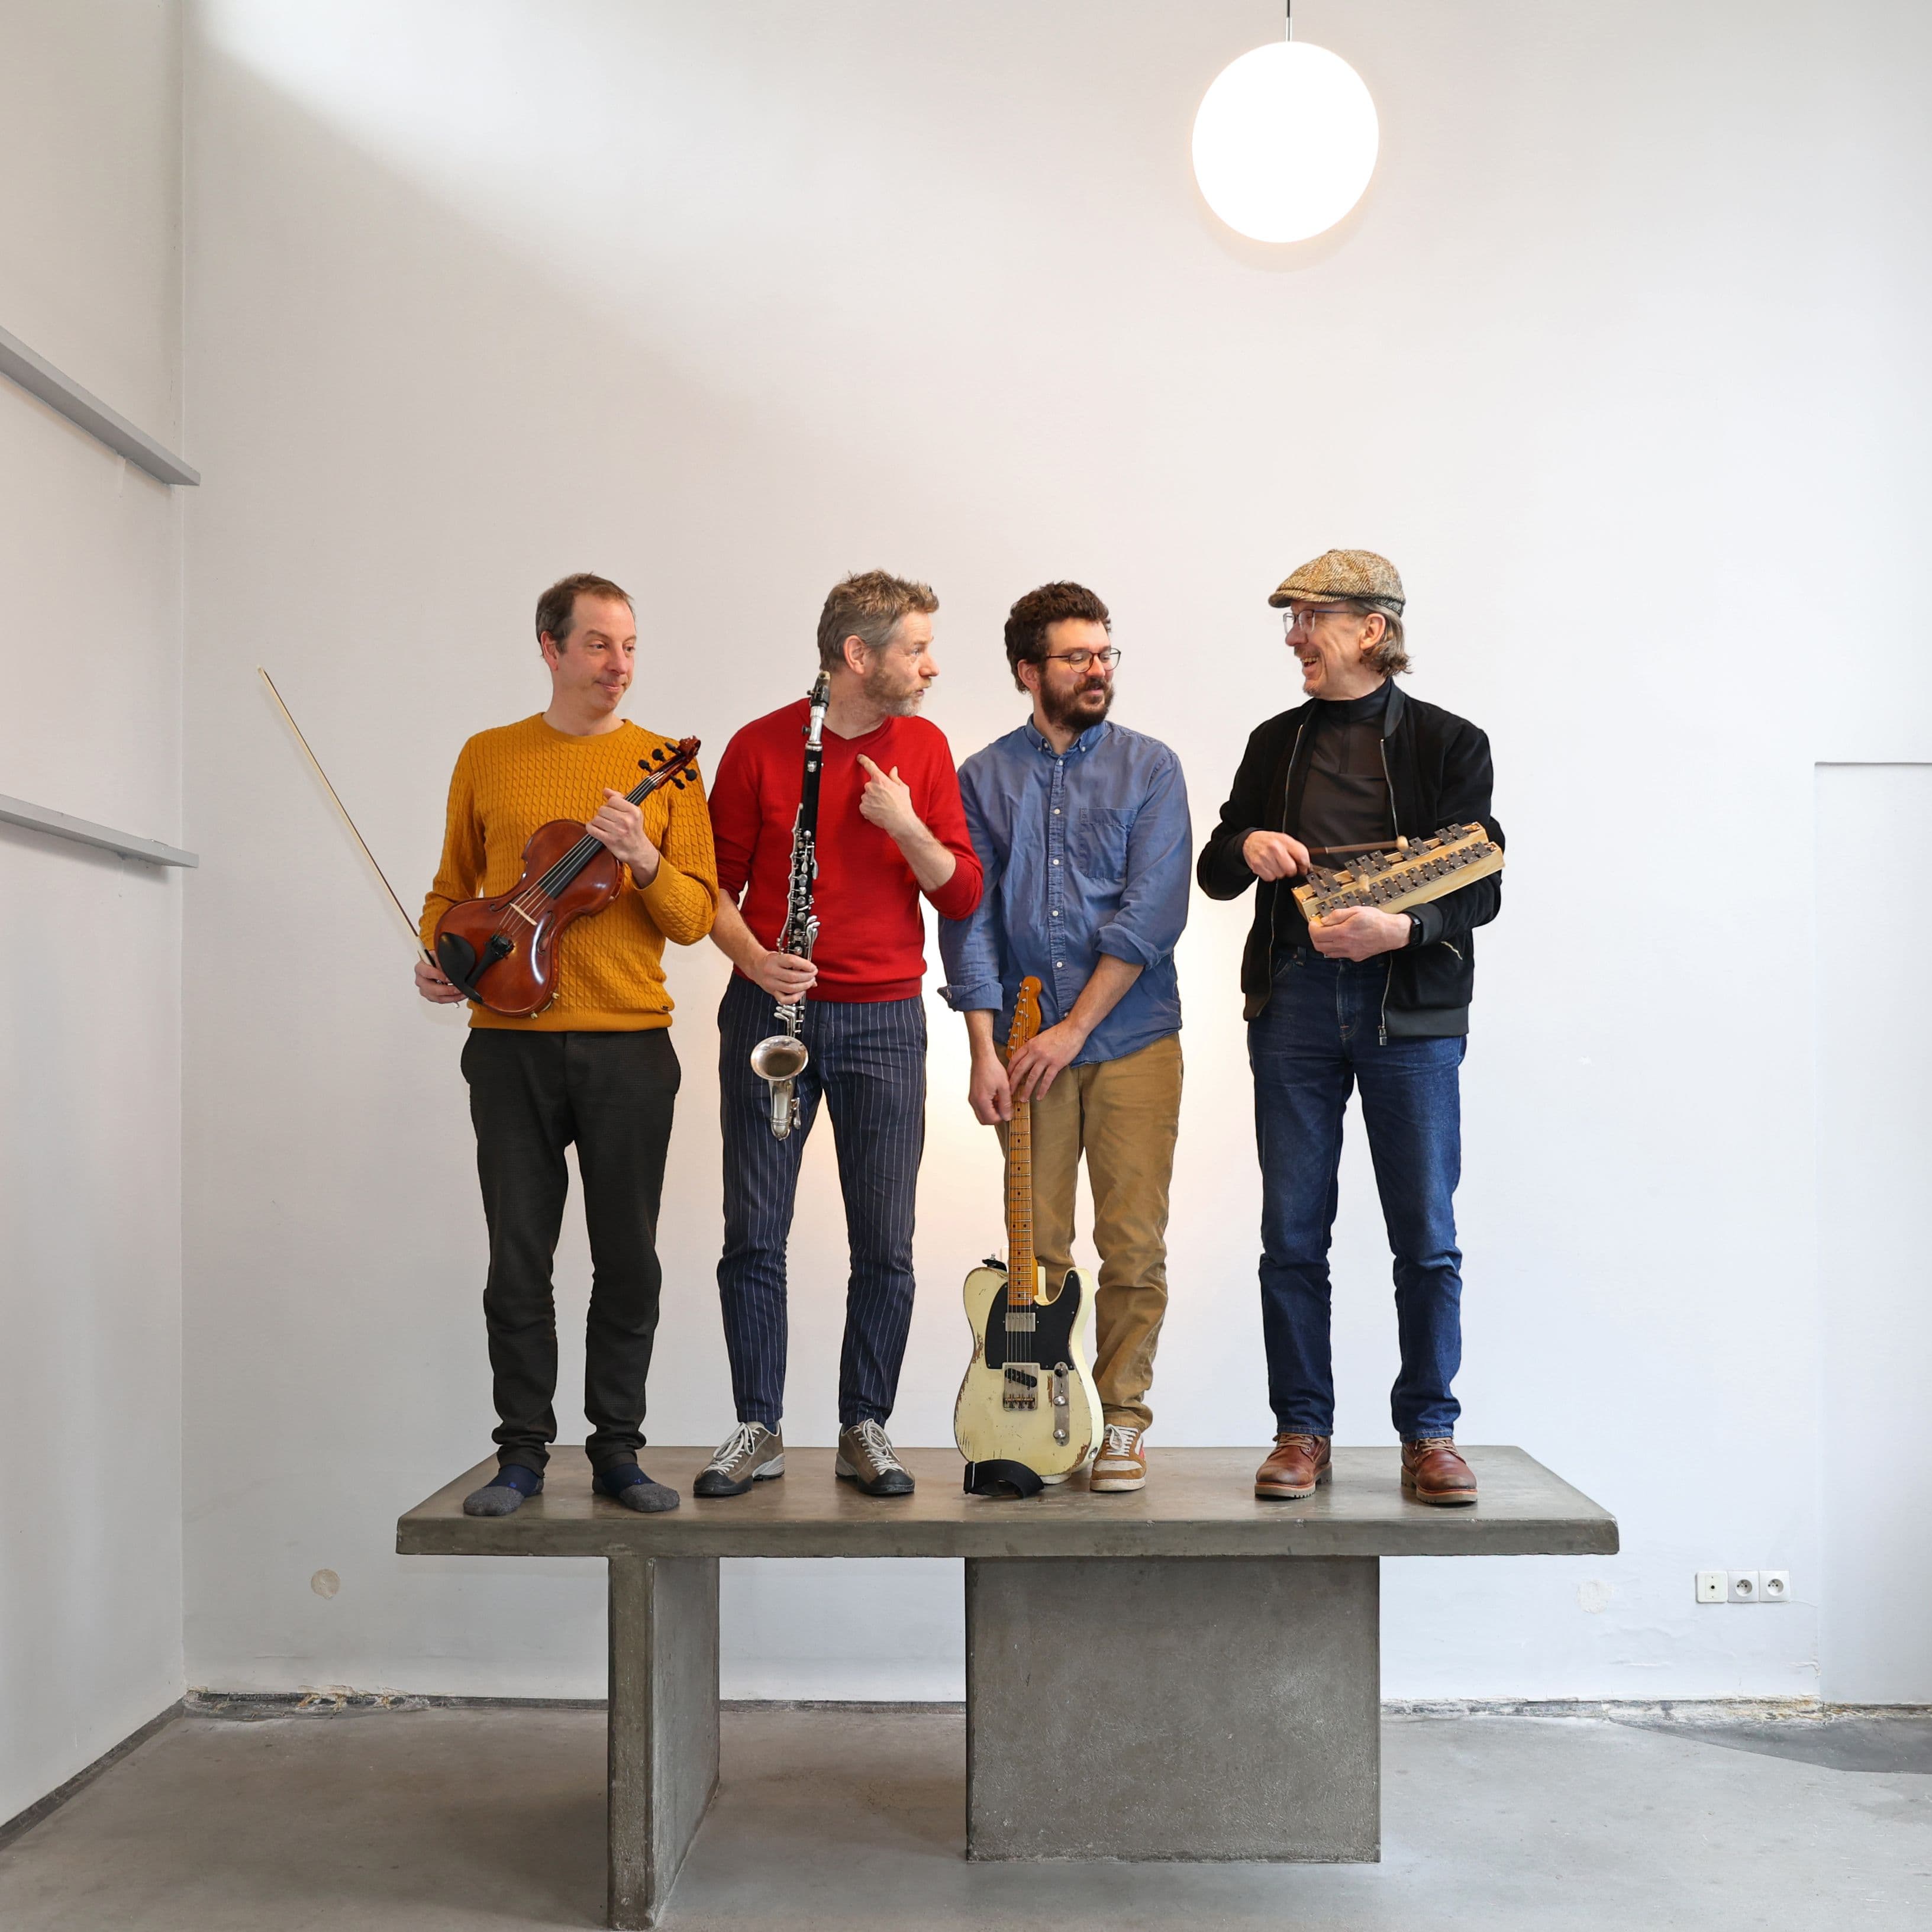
column 1082, row 828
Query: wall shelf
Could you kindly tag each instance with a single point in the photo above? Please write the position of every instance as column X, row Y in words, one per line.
column 39, row 377
column 43, row 818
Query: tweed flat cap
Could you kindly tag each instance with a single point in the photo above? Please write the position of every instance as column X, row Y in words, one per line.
column 1358, row 574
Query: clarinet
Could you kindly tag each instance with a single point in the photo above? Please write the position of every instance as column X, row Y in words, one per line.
column 781, row 1058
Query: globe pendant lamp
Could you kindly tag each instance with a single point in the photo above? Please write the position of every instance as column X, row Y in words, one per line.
column 1285, row 141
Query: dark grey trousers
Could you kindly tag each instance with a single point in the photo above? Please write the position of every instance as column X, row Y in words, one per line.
column 531, row 1095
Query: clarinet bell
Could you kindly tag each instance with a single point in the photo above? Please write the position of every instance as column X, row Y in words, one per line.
column 782, row 1057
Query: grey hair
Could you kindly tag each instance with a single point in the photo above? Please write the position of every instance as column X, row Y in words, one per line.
column 1389, row 657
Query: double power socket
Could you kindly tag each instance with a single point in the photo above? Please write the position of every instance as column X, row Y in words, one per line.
column 1744, row 1586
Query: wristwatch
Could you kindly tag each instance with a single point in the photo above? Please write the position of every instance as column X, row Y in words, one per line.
column 1414, row 929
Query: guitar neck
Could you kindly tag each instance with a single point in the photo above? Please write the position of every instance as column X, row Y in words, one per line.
column 1022, row 1272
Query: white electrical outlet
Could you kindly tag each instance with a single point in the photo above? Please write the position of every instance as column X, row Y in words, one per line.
column 1744, row 1586
column 1774, row 1586
column 1711, row 1586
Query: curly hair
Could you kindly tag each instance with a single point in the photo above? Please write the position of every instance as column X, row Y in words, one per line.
column 868, row 607
column 1028, row 622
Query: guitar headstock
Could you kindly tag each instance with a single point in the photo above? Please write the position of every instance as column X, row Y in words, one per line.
column 671, row 767
column 1026, row 1016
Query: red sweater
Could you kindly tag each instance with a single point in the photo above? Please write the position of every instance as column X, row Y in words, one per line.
column 872, row 940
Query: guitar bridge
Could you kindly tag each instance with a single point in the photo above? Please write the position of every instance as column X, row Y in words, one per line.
column 1020, row 1389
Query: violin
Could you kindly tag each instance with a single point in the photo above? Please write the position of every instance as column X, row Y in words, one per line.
column 510, row 941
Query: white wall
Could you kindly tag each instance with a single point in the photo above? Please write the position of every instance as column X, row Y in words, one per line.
column 1619, row 359
column 1874, row 1124
column 90, row 972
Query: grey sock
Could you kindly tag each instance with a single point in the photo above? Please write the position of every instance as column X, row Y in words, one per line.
column 496, row 1497
column 648, row 1498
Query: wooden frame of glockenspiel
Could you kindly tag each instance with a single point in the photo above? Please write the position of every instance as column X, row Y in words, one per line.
column 1415, row 871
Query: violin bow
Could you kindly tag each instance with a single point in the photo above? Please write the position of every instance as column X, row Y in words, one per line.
column 409, row 925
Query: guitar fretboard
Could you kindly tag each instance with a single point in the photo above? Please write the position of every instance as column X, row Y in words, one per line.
column 1021, row 1272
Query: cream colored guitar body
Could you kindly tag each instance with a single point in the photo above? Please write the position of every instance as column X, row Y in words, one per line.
column 1029, row 1396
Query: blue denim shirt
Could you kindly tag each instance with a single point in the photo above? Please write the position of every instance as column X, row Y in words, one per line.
column 1083, row 854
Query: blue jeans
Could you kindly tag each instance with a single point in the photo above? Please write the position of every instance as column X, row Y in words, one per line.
column 1316, row 1040
column 868, row 1065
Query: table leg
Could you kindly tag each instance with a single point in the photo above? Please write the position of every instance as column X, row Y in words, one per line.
column 1185, row 1707
column 663, row 1723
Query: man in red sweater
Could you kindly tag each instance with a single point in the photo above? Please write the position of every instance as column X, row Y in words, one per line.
column 890, row 827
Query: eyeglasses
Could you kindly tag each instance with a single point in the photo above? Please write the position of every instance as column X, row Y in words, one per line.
column 1079, row 661
column 1292, row 621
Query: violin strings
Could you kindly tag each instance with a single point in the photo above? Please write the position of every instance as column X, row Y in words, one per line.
column 529, row 902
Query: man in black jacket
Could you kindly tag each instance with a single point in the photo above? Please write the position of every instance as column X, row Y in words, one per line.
column 1368, row 998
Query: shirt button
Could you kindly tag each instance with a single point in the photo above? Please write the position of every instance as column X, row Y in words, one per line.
column 1056, row 812
column 1060, row 962
column 1056, row 862
column 1056, row 912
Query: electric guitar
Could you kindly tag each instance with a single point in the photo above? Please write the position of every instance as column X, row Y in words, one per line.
column 1028, row 1397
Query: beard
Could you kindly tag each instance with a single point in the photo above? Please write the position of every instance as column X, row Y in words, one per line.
column 886, row 689
column 1072, row 710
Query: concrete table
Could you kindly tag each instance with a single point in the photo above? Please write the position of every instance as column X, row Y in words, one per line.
column 1244, row 1683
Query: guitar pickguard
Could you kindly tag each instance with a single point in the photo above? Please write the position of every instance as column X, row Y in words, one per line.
column 1052, row 1341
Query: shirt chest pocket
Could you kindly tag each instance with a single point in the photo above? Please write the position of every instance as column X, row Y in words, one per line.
column 1099, row 843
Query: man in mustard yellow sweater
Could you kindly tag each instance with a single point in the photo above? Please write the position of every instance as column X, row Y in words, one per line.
column 595, row 1066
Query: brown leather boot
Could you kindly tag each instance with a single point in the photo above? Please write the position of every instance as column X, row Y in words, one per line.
column 1432, row 1472
column 1293, row 1467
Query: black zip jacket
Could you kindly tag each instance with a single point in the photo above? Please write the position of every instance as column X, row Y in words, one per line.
column 1438, row 774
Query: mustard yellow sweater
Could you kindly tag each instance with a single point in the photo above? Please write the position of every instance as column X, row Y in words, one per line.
column 609, row 965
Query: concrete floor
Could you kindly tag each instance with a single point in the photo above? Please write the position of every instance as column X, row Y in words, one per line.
column 839, row 1821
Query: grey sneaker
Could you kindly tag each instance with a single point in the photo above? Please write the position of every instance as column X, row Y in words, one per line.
column 866, row 1457
column 751, row 1454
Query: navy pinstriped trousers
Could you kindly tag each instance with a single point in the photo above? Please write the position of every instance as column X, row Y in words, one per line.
column 868, row 1063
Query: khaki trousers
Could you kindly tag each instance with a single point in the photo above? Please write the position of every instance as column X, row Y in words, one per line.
column 1124, row 1115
